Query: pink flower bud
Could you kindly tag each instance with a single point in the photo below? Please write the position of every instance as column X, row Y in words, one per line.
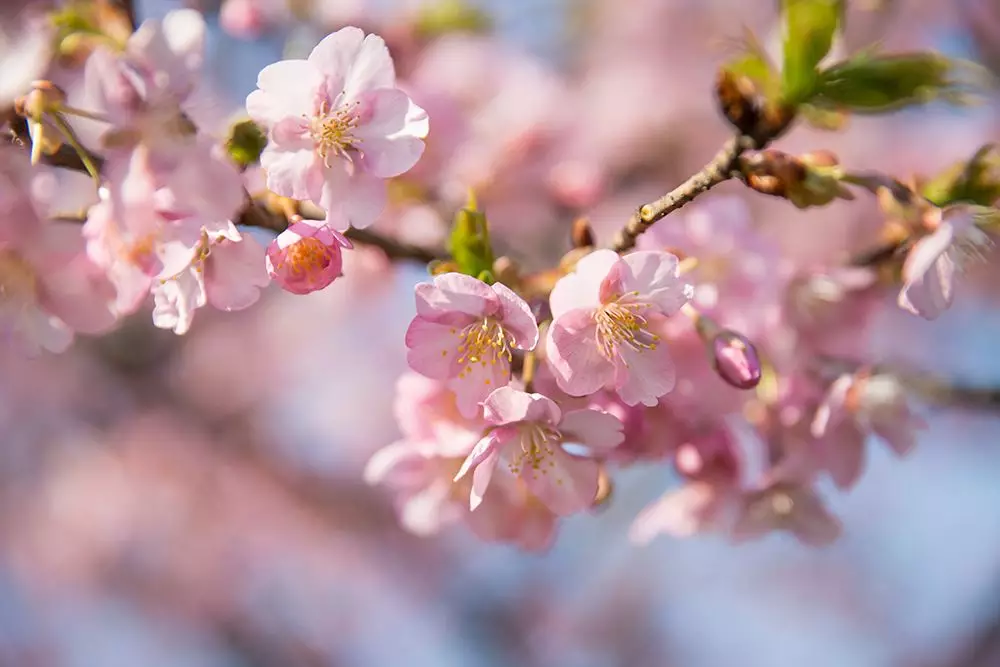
column 735, row 360
column 305, row 258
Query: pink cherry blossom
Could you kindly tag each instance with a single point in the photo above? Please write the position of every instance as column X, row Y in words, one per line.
column 874, row 404
column 606, row 316
column 227, row 272
column 49, row 288
column 306, row 257
column 337, row 126
column 929, row 270
column 465, row 332
column 528, row 435
column 791, row 507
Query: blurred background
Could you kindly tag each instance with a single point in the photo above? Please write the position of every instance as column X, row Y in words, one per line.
column 198, row 501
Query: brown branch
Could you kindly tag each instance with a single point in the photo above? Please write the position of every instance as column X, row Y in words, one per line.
column 720, row 168
column 66, row 157
column 880, row 254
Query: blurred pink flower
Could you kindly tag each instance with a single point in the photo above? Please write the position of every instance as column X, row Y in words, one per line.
column 306, row 257
column 875, row 403
column 529, row 433
column 929, row 270
column 465, row 332
column 227, row 272
column 786, row 506
column 337, row 126
column 604, row 314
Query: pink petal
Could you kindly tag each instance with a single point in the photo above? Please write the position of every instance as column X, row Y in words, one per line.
column 507, row 405
column 334, row 56
column 928, row 274
column 844, row 454
column 581, row 288
column 286, row 88
column 573, row 356
column 455, row 292
column 234, row 274
column 642, row 376
column 176, row 300
column 900, row 434
column 596, row 429
column 391, row 132
column 834, row 406
column 486, row 446
column 431, row 348
column 568, row 486
column 693, row 508
column 811, row 522
column 398, row 465
column 481, row 479
column 654, row 275
column 371, row 69
column 517, row 317
column 358, row 198
column 297, row 174
column 475, row 382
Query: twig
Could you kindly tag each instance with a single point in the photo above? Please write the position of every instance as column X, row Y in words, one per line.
column 66, row 157
column 719, row 169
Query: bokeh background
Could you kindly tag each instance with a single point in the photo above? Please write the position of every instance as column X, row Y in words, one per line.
column 198, row 501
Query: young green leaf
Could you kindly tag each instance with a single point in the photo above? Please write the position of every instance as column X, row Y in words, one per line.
column 809, row 29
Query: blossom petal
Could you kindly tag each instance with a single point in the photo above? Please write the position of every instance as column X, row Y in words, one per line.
column 596, row 429
column 486, row 446
column 507, row 405
column 455, row 292
column 234, row 274
column 391, row 132
column 643, row 375
column 928, row 273
column 475, row 382
column 517, row 317
column 573, row 355
column 581, row 288
column 654, row 275
column 285, row 88
column 431, row 348
column 693, row 508
column 834, row 405
column 296, row 174
column 371, row 69
column 481, row 479
column 568, row 486
column 358, row 198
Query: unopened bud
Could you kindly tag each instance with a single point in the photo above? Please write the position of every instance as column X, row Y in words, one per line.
column 44, row 140
column 506, row 271
column 735, row 359
column 45, row 97
column 582, row 235
column 736, row 95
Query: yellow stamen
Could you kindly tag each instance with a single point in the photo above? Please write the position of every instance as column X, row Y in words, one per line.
column 621, row 324
column 536, row 454
column 331, row 131
column 306, row 257
column 483, row 342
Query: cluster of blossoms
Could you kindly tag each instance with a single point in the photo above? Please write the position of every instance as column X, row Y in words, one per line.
column 698, row 344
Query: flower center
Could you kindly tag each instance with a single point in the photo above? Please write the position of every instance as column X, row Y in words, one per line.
column 536, row 452
column 331, row 131
column 17, row 279
column 620, row 324
column 307, row 257
column 484, row 342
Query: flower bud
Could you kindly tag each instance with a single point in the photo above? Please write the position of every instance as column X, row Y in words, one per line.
column 735, row 359
column 582, row 234
column 45, row 97
column 736, row 96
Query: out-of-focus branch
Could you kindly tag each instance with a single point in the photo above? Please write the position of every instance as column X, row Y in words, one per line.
column 128, row 6
column 941, row 392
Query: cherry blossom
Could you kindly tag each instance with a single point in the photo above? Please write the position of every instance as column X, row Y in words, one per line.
column 528, row 435
column 466, row 332
column 306, row 257
column 338, row 125
column 606, row 317
column 929, row 271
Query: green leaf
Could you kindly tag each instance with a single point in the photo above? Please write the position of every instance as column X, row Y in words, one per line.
column 469, row 243
column 246, row 142
column 831, row 120
column 809, row 28
column 976, row 181
column 448, row 16
column 873, row 84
